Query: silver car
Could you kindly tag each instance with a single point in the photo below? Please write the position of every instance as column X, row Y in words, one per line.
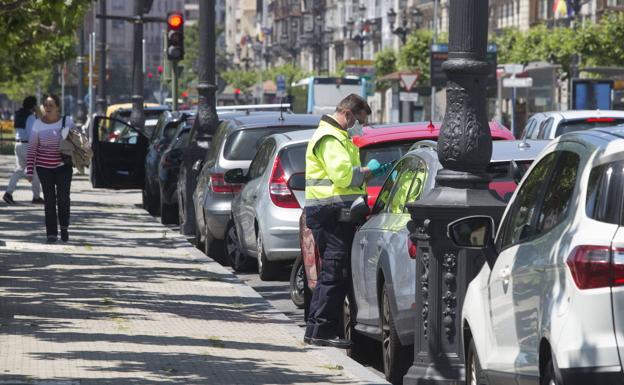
column 551, row 124
column 382, row 263
column 234, row 146
column 265, row 215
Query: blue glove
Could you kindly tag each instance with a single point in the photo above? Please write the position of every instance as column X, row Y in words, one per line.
column 394, row 175
column 383, row 169
column 373, row 165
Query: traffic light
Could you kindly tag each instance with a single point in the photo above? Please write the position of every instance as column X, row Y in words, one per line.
column 175, row 36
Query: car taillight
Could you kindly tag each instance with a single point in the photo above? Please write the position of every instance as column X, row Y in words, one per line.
column 600, row 120
column 280, row 193
column 596, row 266
column 219, row 185
column 412, row 248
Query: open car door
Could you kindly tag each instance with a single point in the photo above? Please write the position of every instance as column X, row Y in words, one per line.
column 119, row 151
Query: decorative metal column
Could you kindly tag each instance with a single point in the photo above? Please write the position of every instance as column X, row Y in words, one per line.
column 137, row 117
column 206, row 108
column 101, row 50
column 443, row 272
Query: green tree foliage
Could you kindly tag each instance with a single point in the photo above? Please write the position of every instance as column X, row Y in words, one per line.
column 36, row 34
column 385, row 63
column 414, row 55
column 291, row 73
column 240, row 78
column 188, row 79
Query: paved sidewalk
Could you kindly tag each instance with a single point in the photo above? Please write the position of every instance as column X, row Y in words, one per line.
column 128, row 301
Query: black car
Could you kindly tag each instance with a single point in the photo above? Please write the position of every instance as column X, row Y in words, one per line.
column 199, row 143
column 119, row 149
column 169, row 170
column 163, row 134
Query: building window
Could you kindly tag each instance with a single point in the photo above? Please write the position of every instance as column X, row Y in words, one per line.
column 542, row 12
column 615, row 3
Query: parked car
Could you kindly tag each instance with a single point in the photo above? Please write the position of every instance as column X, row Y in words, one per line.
column 164, row 133
column 548, row 307
column 549, row 125
column 387, row 142
column 234, row 146
column 199, row 142
column 264, row 224
column 382, row 258
column 169, row 169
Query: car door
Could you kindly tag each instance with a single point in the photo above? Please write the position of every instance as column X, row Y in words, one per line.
column 517, row 227
column 117, row 164
column 361, row 268
column 249, row 195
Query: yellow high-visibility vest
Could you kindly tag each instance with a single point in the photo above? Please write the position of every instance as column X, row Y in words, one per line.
column 320, row 189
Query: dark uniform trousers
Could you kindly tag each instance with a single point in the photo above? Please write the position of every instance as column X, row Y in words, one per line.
column 333, row 240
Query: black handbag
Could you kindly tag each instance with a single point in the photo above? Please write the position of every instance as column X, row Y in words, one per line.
column 66, row 159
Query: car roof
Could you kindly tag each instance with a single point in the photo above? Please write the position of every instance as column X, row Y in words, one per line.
column 393, row 132
column 294, row 136
column 275, row 119
column 581, row 114
column 519, row 150
column 128, row 106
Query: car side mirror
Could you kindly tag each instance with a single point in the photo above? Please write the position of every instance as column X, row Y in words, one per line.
column 474, row 232
column 197, row 166
column 515, row 172
column 359, row 210
column 297, row 182
column 236, row 175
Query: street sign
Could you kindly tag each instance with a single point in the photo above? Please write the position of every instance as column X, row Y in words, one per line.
column 513, row 69
column 408, row 80
column 280, row 82
column 360, row 68
column 518, row 82
column 408, row 96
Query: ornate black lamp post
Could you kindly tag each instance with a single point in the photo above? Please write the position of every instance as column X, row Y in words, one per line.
column 291, row 46
column 364, row 32
column 404, row 29
column 464, row 149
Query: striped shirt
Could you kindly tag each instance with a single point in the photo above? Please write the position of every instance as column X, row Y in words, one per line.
column 44, row 145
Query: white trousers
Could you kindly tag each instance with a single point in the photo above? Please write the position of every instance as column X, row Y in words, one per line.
column 21, row 150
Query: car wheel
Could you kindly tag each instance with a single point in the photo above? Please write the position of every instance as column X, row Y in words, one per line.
column 348, row 329
column 168, row 214
column 549, row 377
column 266, row 269
column 197, row 240
column 474, row 374
column 215, row 249
column 396, row 358
column 297, row 283
column 238, row 260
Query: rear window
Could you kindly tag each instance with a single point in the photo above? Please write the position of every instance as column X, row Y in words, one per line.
column 293, row 158
column 604, row 192
column 384, row 153
column 586, row 124
column 502, row 181
column 243, row 144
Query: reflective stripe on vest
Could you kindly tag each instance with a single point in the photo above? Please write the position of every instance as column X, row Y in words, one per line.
column 320, row 190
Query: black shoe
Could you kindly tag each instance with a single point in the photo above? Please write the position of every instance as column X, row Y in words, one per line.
column 307, row 340
column 8, row 198
column 51, row 239
column 38, row 200
column 335, row 342
column 64, row 235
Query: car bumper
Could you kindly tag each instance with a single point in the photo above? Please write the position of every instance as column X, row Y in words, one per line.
column 597, row 375
column 216, row 221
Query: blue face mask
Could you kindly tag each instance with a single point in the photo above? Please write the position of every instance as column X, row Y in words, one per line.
column 356, row 129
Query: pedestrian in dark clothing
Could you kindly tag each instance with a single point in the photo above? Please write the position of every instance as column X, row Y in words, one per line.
column 44, row 154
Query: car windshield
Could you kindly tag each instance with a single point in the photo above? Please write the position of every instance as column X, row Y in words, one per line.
column 586, row 124
column 384, row 153
column 243, row 144
column 293, row 158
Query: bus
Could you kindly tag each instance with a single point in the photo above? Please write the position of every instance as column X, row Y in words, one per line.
column 320, row 95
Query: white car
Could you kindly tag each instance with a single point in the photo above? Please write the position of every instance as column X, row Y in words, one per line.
column 551, row 124
column 548, row 307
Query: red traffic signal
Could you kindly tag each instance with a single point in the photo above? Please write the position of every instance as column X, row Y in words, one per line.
column 175, row 20
column 175, row 36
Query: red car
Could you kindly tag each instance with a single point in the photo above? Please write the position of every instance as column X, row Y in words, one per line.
column 386, row 143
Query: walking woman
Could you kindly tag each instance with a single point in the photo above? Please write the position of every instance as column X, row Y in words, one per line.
column 55, row 174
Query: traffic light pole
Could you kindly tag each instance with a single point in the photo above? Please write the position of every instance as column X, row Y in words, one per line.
column 175, row 73
column 137, row 117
